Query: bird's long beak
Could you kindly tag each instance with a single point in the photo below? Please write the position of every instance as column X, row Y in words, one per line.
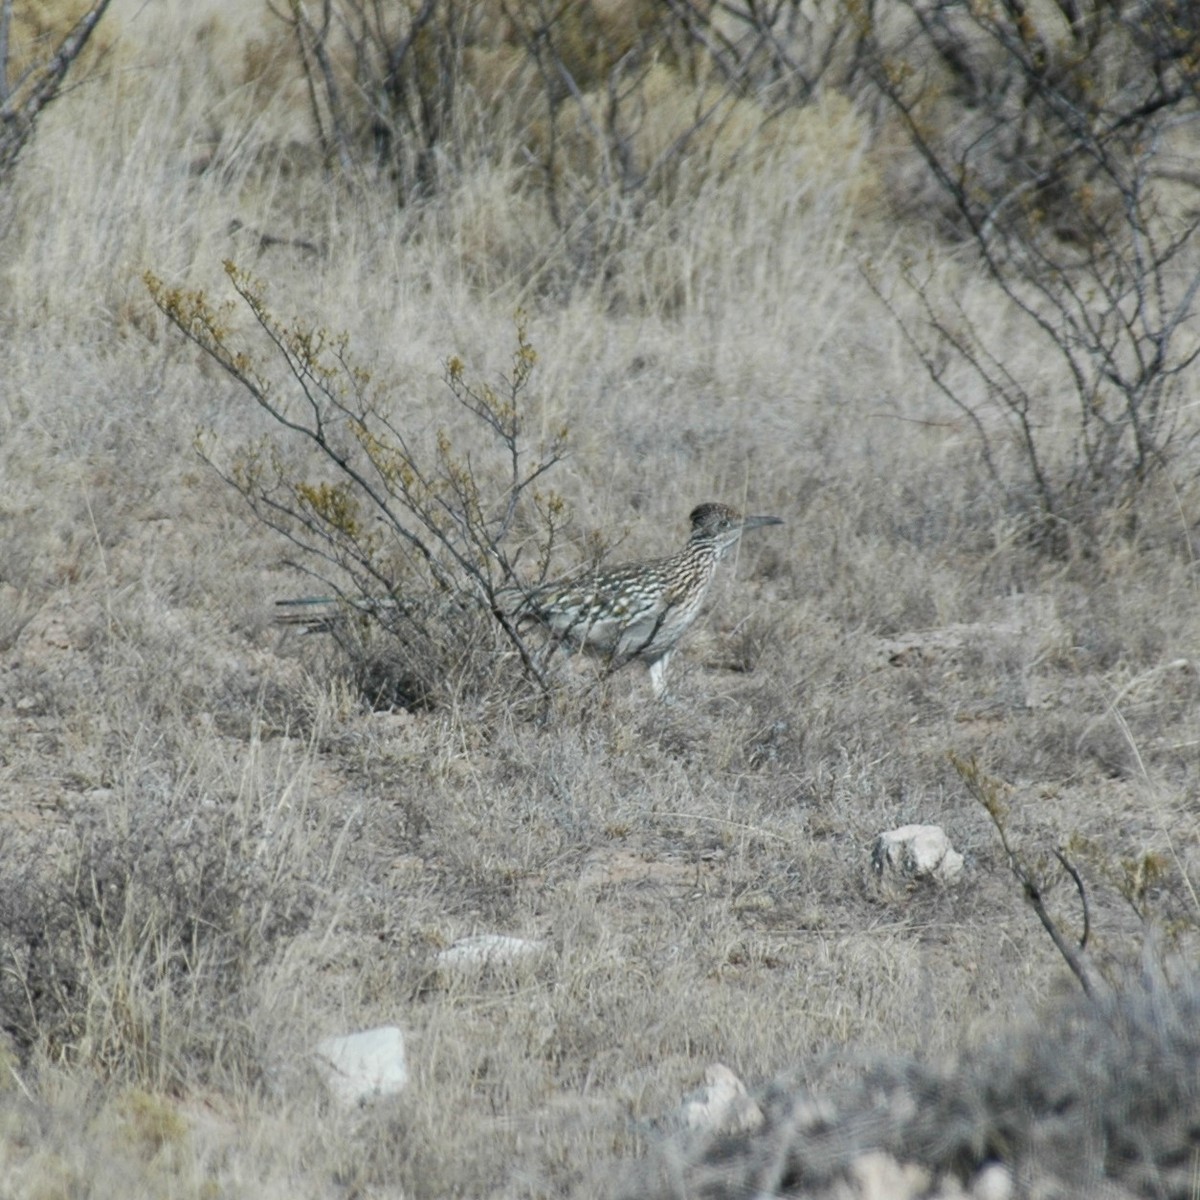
column 755, row 522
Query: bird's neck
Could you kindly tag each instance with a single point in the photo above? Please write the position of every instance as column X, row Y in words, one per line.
column 702, row 552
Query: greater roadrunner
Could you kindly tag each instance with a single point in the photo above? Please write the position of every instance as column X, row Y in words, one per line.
column 637, row 610
column 633, row 611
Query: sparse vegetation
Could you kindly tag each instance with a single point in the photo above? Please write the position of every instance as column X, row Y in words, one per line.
column 216, row 849
column 134, row 950
column 1098, row 1091
column 1050, row 137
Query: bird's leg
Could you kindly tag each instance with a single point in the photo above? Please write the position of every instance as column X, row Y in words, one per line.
column 658, row 675
column 553, row 644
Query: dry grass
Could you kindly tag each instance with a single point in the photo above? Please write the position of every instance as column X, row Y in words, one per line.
column 212, row 854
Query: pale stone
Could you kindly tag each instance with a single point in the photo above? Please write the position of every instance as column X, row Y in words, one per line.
column 878, row 1176
column 364, row 1066
column 722, row 1105
column 917, row 852
column 994, row 1182
column 490, row 950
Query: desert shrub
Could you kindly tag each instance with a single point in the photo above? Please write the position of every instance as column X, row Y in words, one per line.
column 407, row 85
column 417, row 531
column 1031, row 118
column 1049, row 136
column 607, row 111
column 418, row 89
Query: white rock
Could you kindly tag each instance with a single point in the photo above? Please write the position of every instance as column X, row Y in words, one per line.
column 489, row 950
column 994, row 1182
column 722, row 1105
column 878, row 1176
column 363, row 1066
column 809, row 1114
column 917, row 852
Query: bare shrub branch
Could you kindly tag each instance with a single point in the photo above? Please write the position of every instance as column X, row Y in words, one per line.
column 1033, row 882
column 22, row 100
column 412, row 532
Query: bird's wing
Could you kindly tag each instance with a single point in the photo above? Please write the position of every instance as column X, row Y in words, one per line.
column 589, row 611
column 637, row 635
